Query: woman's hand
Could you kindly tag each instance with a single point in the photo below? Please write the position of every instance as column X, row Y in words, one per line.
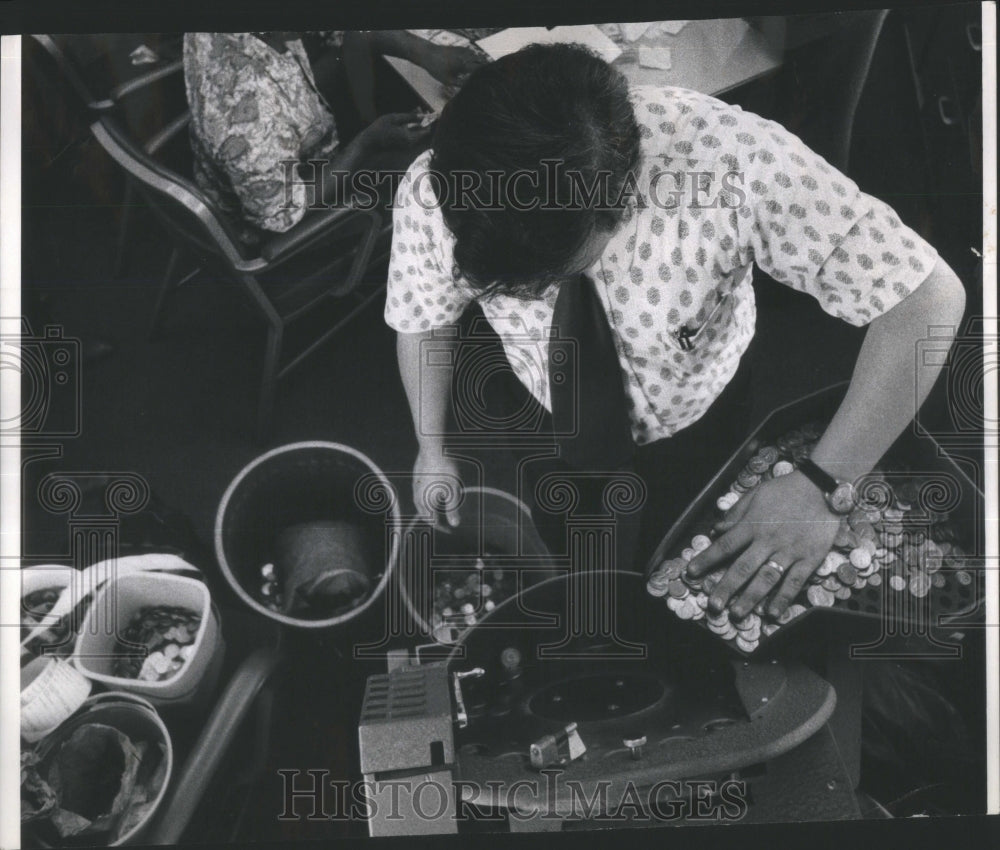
column 785, row 520
column 436, row 486
column 397, row 130
column 449, row 65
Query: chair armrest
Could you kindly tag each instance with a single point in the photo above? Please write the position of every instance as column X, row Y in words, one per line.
column 192, row 781
column 284, row 245
column 142, row 80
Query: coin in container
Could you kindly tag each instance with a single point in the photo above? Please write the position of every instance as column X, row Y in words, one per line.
column 897, row 582
column 820, row 596
column 848, row 573
column 688, row 553
column 758, row 465
column 747, row 480
column 920, row 585
column 677, row 589
column 769, row 629
column 782, row 467
column 725, row 502
column 746, row 645
column 830, row 563
column 770, row 454
column 938, row 580
column 860, row 583
column 874, row 580
column 700, row 542
column 861, row 558
column 964, row 578
column 797, row 610
column 842, row 593
column 845, row 539
column 656, row 586
column 831, row 583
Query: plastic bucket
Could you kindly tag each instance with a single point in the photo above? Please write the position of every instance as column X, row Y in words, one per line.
column 300, row 484
column 117, row 602
column 131, row 715
column 490, row 520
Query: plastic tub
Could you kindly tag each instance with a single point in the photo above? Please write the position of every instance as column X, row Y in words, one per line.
column 115, row 605
column 301, row 483
column 131, row 715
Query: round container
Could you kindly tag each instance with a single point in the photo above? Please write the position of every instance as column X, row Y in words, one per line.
column 42, row 577
column 300, row 483
column 114, row 606
column 489, row 520
column 131, row 715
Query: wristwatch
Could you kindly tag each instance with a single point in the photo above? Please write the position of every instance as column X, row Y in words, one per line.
column 839, row 495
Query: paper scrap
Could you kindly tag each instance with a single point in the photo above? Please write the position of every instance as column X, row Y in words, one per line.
column 672, row 27
column 634, row 31
column 511, row 40
column 655, row 57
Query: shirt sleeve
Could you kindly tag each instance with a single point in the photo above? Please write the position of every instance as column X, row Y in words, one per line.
column 424, row 290
column 811, row 228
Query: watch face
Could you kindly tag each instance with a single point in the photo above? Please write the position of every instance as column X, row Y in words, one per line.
column 842, row 498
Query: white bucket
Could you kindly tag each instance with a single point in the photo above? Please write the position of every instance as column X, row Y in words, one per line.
column 117, row 603
column 129, row 714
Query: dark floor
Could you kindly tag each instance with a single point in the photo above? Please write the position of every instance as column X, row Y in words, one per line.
column 179, row 411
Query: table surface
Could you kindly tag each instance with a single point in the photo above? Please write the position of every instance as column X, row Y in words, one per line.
column 710, row 56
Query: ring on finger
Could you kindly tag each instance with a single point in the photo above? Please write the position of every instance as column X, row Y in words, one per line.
column 774, row 565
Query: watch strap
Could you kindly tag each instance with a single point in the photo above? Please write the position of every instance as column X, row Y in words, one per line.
column 822, row 479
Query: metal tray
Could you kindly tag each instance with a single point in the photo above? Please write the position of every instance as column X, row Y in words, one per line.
column 889, row 614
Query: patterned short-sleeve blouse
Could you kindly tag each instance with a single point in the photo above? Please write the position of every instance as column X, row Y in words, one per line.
column 675, row 279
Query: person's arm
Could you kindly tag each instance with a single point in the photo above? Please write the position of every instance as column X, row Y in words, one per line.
column 428, row 391
column 448, row 64
column 397, row 130
column 787, row 519
column 811, row 228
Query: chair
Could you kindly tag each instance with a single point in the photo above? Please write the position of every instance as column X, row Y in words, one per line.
column 99, row 89
column 197, row 228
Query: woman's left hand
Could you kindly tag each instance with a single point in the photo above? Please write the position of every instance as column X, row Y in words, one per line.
column 784, row 520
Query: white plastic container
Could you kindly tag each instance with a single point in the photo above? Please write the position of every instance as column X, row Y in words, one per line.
column 131, row 715
column 113, row 609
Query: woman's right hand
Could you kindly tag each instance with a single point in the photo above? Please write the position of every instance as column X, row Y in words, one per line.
column 436, row 486
column 397, row 130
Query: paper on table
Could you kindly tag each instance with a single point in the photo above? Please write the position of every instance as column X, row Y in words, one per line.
column 634, row 31
column 672, row 27
column 655, row 57
column 511, row 40
column 443, row 37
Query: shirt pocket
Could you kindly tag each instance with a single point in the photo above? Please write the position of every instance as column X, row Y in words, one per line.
column 690, row 338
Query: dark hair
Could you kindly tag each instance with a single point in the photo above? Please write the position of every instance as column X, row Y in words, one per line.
column 556, row 104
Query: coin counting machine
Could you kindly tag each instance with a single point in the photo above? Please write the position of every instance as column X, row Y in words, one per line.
column 640, row 698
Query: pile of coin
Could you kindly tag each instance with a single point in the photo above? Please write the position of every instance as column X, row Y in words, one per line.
column 465, row 595
column 875, row 545
column 168, row 634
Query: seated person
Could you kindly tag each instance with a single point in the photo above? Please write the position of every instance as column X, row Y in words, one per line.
column 255, row 105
